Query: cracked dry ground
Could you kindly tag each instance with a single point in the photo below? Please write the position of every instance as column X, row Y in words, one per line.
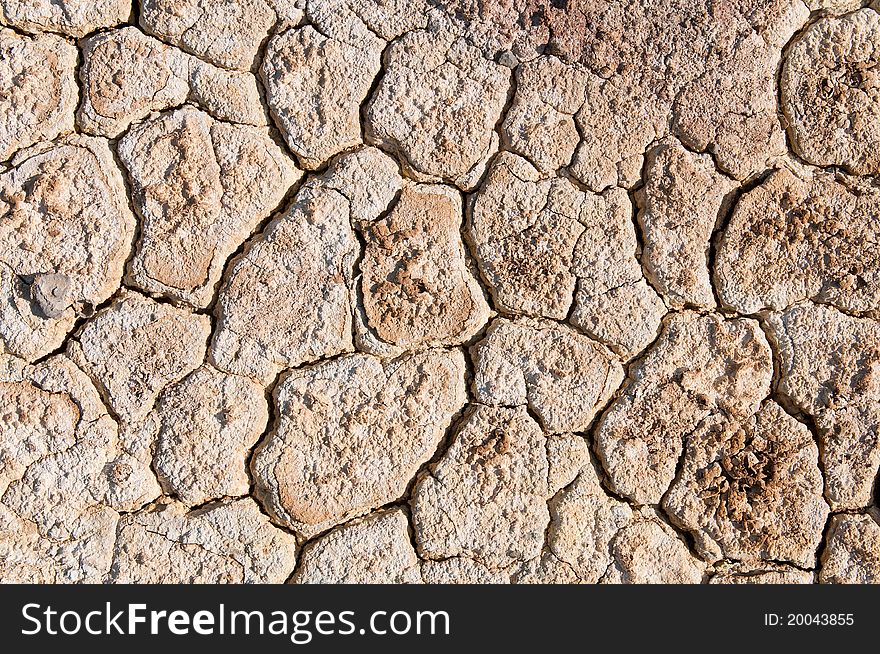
column 440, row 291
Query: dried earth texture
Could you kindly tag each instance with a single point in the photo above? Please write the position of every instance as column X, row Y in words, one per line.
column 440, row 291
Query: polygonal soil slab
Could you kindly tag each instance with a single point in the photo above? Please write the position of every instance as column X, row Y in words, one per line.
column 525, row 228
column 540, row 123
column 585, row 520
column 65, row 233
column 648, row 551
column 791, row 239
column 701, row 366
column 437, row 103
column 201, row 187
column 752, row 490
column 226, row 543
column 352, row 433
column 831, row 92
column 613, row 302
column 852, row 555
column 205, row 427
column 417, row 288
column 829, row 369
column 375, row 549
column 136, row 347
column 75, row 18
column 563, row 377
column 318, row 119
column 679, row 207
column 486, row 499
column 287, row 299
column 38, row 92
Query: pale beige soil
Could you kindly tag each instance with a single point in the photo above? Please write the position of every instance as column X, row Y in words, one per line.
column 440, row 291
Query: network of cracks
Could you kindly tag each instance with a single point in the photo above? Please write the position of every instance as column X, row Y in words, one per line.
column 439, row 291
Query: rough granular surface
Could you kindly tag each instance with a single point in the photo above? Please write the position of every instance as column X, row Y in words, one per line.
column 440, row 291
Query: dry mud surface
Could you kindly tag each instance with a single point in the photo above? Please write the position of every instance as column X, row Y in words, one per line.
column 503, row 291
